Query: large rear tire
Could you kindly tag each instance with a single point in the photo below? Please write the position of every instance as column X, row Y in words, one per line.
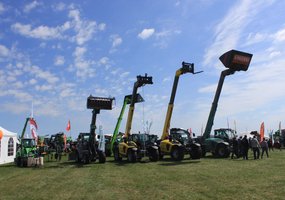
column 222, row 151
column 18, row 161
column 195, row 152
column 117, row 155
column 154, row 155
column 132, row 156
column 86, row 159
column 102, row 157
column 177, row 153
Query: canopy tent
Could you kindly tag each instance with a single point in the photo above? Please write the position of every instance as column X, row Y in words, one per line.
column 8, row 146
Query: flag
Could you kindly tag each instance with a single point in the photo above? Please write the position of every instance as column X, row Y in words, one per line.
column 68, row 126
column 262, row 131
column 64, row 140
column 1, row 134
column 33, row 128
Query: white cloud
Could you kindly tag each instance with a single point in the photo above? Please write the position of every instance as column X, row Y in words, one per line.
column 102, row 26
column 48, row 109
column 45, row 75
column 31, row 6
column 59, row 6
column 146, row 33
column 124, row 74
column 32, row 81
column 116, row 40
column 166, row 79
column 79, row 52
column 2, row 8
column 255, row 38
column 104, row 60
column 20, row 95
column 85, row 29
column 43, row 87
column 11, row 108
column 40, row 32
column 228, row 31
column 4, row 51
column 83, row 67
column 59, row 60
column 280, row 35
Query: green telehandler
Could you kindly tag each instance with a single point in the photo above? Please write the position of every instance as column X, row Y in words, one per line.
column 235, row 61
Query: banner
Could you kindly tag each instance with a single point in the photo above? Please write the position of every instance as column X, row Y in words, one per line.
column 64, row 140
column 33, row 128
column 68, row 126
column 261, row 131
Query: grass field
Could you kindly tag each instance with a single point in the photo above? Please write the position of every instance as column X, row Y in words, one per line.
column 207, row 178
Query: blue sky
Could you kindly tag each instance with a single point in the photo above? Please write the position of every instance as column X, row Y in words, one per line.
column 56, row 53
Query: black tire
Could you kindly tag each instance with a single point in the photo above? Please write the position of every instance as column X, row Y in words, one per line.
column 203, row 151
column 177, row 153
column 153, row 155
column 102, row 157
column 18, row 161
column 117, row 155
column 222, row 151
column 86, row 159
column 195, row 152
column 24, row 163
column 77, row 159
column 108, row 153
column 132, row 156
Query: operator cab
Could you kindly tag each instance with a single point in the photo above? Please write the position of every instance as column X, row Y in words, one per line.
column 181, row 135
column 28, row 142
column 226, row 134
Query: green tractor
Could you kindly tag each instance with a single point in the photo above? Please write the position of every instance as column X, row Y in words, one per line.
column 26, row 150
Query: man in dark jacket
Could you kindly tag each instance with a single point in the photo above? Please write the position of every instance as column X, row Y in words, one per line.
column 245, row 147
column 235, row 150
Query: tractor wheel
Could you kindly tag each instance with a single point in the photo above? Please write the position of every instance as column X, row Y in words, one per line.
column 177, row 153
column 86, row 159
column 203, row 151
column 102, row 157
column 154, row 155
column 24, row 163
column 117, row 155
column 77, row 159
column 222, row 151
column 195, row 152
column 18, row 161
column 132, row 156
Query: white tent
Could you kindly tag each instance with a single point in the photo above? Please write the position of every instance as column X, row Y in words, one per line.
column 8, row 145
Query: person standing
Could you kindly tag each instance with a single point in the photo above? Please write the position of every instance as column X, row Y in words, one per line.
column 245, row 147
column 255, row 147
column 264, row 146
column 270, row 145
column 235, row 148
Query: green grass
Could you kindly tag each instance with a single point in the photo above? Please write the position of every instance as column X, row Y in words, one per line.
column 207, row 178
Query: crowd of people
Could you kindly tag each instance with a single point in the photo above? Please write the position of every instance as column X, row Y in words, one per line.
column 242, row 145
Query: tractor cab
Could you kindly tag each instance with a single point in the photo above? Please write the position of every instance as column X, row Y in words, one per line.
column 226, row 134
column 28, row 143
column 181, row 135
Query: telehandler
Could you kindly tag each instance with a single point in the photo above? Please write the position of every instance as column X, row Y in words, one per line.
column 169, row 145
column 129, row 148
column 235, row 61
